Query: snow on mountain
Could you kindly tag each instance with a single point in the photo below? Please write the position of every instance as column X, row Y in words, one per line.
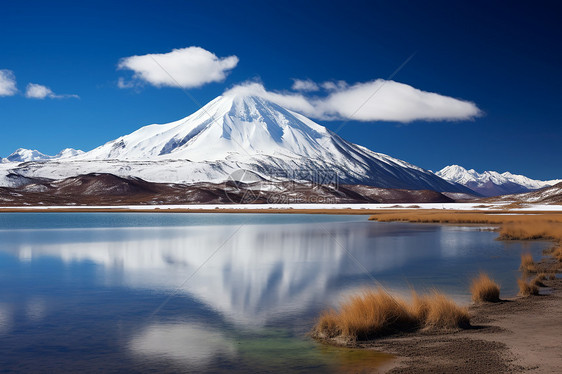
column 68, row 152
column 235, row 132
column 492, row 183
column 546, row 195
column 27, row 155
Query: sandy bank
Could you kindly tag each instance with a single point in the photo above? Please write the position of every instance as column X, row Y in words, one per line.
column 515, row 335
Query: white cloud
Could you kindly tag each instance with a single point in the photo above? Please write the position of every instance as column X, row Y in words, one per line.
column 378, row 100
column 38, row 91
column 7, row 83
column 382, row 100
column 185, row 67
column 333, row 86
column 304, row 85
column 122, row 83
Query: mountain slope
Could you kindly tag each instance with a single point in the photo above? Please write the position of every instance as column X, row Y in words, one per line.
column 235, row 132
column 547, row 195
column 492, row 183
column 108, row 189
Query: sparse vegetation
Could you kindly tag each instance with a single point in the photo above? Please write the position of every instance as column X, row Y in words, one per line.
column 444, row 313
column 527, row 289
column 557, row 253
column 553, row 221
column 484, row 289
column 528, row 264
column 532, row 230
column 376, row 313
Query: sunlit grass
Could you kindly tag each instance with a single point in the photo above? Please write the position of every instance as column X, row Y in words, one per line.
column 376, row 313
column 484, row 289
column 527, row 263
column 526, row 288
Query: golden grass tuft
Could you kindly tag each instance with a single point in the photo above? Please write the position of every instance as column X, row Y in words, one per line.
column 373, row 313
column 527, row 263
column 527, row 289
column 484, row 289
column 376, row 313
column 328, row 323
column 444, row 313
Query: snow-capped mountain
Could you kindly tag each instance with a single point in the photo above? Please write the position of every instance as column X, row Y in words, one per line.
column 24, row 155
column 27, row 155
column 235, row 132
column 68, row 153
column 492, row 183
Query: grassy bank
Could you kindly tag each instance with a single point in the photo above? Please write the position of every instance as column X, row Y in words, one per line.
column 521, row 226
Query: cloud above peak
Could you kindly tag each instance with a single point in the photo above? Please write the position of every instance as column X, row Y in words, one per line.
column 38, row 91
column 7, row 83
column 378, row 100
column 185, row 67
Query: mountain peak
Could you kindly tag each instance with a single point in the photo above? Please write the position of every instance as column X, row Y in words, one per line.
column 24, row 155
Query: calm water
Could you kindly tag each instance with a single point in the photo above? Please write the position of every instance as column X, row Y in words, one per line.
column 214, row 292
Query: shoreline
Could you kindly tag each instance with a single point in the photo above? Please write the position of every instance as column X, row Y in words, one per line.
column 513, row 335
column 519, row 334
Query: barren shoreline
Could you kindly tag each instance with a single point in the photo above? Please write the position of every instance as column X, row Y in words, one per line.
column 514, row 335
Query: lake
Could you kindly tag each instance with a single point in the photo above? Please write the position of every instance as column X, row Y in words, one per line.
column 215, row 292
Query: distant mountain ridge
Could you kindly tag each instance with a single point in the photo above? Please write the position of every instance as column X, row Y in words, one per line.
column 546, row 195
column 27, row 155
column 492, row 183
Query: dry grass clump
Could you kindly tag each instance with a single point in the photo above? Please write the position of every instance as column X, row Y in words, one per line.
column 328, row 324
column 376, row 313
column 484, row 289
column 537, row 281
column 557, row 253
column 527, row 263
column 527, row 289
column 444, row 313
column 436, row 310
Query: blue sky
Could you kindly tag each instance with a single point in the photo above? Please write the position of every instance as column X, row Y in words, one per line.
column 505, row 60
